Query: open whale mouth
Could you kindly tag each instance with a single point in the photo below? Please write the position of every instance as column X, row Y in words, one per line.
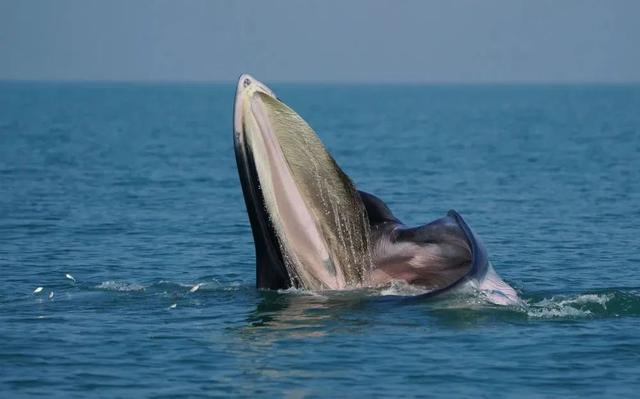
column 309, row 225
column 313, row 230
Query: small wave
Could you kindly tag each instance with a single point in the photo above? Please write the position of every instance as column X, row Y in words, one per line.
column 112, row 285
column 612, row 303
column 301, row 292
column 402, row 288
column 582, row 299
column 211, row 285
column 557, row 312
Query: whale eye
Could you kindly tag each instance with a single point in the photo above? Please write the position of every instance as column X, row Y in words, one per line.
column 246, row 82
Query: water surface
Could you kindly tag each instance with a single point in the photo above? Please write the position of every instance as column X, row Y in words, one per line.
column 131, row 189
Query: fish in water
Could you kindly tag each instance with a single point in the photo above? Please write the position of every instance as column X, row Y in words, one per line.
column 313, row 229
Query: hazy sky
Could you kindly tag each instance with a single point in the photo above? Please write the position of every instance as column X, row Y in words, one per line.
column 430, row 41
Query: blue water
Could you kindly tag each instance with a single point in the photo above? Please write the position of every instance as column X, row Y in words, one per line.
column 132, row 190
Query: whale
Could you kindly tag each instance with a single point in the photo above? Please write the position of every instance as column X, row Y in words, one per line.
column 314, row 230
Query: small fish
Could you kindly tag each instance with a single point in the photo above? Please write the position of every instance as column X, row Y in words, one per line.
column 51, row 295
column 195, row 287
column 70, row 277
column 173, row 306
column 38, row 290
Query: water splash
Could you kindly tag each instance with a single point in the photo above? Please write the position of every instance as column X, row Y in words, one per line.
column 600, row 303
column 590, row 304
column 112, row 285
column 402, row 288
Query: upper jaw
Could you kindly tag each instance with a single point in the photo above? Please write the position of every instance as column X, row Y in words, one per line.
column 270, row 269
column 247, row 83
column 247, row 86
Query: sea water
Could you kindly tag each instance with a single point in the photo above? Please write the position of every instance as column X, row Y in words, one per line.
column 122, row 202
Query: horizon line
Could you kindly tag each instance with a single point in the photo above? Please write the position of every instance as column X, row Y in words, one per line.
column 332, row 82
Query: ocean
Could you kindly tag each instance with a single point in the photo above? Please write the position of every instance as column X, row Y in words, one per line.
column 122, row 202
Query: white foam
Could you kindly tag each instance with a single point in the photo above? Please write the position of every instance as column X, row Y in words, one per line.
column 232, row 286
column 299, row 291
column 402, row 288
column 557, row 312
column 119, row 286
column 591, row 298
column 555, row 307
column 583, row 299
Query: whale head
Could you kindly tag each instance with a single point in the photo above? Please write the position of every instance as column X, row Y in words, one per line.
column 309, row 224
